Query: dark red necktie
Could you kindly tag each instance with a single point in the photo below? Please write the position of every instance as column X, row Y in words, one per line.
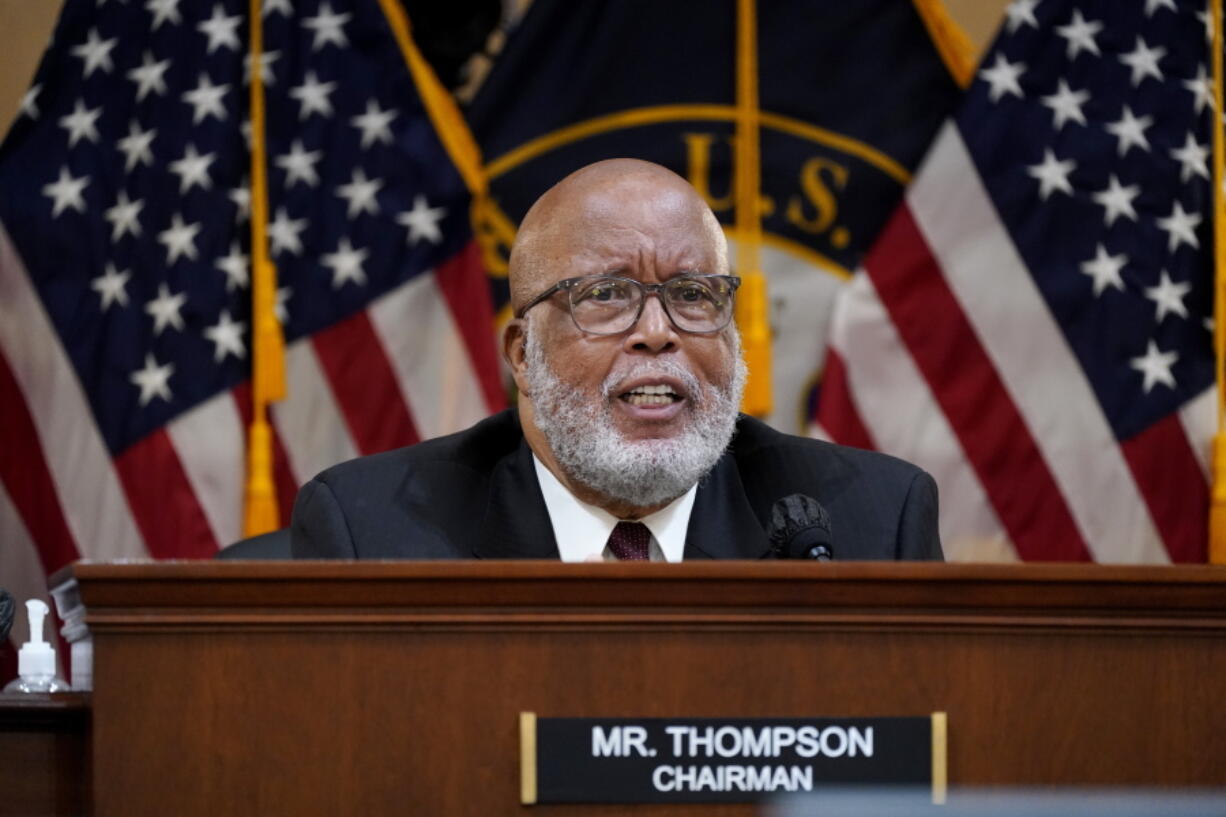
column 630, row 542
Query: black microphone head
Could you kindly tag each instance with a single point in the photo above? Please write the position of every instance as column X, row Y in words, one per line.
column 800, row 529
column 7, row 609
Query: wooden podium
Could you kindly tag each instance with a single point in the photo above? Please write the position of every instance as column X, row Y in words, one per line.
column 395, row 688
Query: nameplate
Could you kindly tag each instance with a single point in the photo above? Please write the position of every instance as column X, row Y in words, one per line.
column 715, row 760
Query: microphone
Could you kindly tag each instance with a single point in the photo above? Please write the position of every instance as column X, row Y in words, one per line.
column 800, row 529
column 7, row 609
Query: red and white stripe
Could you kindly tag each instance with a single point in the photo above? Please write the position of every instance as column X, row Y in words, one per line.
column 80, row 494
column 309, row 418
column 433, row 379
column 1199, row 418
column 903, row 418
column 947, row 300
column 419, row 362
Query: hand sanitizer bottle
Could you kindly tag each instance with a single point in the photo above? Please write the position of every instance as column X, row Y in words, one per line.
column 36, row 659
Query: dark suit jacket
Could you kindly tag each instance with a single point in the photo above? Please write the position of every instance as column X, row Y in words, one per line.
column 475, row 494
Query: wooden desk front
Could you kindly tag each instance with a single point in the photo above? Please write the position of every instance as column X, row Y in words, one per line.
column 394, row 688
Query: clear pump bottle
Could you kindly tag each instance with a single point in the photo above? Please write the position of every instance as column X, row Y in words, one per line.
column 36, row 659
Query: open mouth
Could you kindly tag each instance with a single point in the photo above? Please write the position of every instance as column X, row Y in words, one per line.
column 654, row 395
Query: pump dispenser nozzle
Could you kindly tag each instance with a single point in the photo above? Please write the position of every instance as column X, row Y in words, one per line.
column 36, row 656
column 36, row 659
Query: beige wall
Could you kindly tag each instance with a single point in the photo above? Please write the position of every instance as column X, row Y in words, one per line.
column 25, row 28
column 978, row 18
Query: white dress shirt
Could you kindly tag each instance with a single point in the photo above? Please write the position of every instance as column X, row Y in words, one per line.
column 582, row 530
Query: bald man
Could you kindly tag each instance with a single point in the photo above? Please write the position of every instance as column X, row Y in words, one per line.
column 625, row 442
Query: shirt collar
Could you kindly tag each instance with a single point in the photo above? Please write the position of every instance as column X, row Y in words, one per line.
column 582, row 530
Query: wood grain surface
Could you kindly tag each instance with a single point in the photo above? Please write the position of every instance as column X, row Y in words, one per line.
column 395, row 688
column 44, row 755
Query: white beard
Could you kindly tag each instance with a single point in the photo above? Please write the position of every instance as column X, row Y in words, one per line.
column 580, row 430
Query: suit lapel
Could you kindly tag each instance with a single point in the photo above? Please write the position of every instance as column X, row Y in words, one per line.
column 516, row 523
column 722, row 522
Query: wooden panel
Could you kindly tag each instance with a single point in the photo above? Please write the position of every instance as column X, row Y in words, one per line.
column 210, row 593
column 44, row 755
column 395, row 688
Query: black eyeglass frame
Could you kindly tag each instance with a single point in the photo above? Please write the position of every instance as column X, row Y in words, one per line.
column 647, row 290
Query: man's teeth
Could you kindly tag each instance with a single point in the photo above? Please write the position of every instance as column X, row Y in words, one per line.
column 657, row 395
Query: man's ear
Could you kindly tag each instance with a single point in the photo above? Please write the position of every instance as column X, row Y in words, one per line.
column 515, row 353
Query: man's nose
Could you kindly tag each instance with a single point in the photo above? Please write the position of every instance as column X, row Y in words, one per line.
column 654, row 332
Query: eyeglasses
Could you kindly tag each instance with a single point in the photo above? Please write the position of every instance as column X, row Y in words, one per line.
column 610, row 304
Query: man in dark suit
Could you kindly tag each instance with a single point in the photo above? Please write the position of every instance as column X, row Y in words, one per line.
column 626, row 442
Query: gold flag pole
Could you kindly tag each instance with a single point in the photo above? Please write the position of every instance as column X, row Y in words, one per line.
column 1217, row 501
column 267, row 342
column 752, row 306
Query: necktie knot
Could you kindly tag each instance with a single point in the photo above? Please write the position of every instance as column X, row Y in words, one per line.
column 630, row 542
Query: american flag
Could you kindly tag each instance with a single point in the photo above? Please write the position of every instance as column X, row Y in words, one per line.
column 124, row 287
column 1034, row 325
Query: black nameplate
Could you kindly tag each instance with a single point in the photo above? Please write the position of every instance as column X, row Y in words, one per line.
column 714, row 760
